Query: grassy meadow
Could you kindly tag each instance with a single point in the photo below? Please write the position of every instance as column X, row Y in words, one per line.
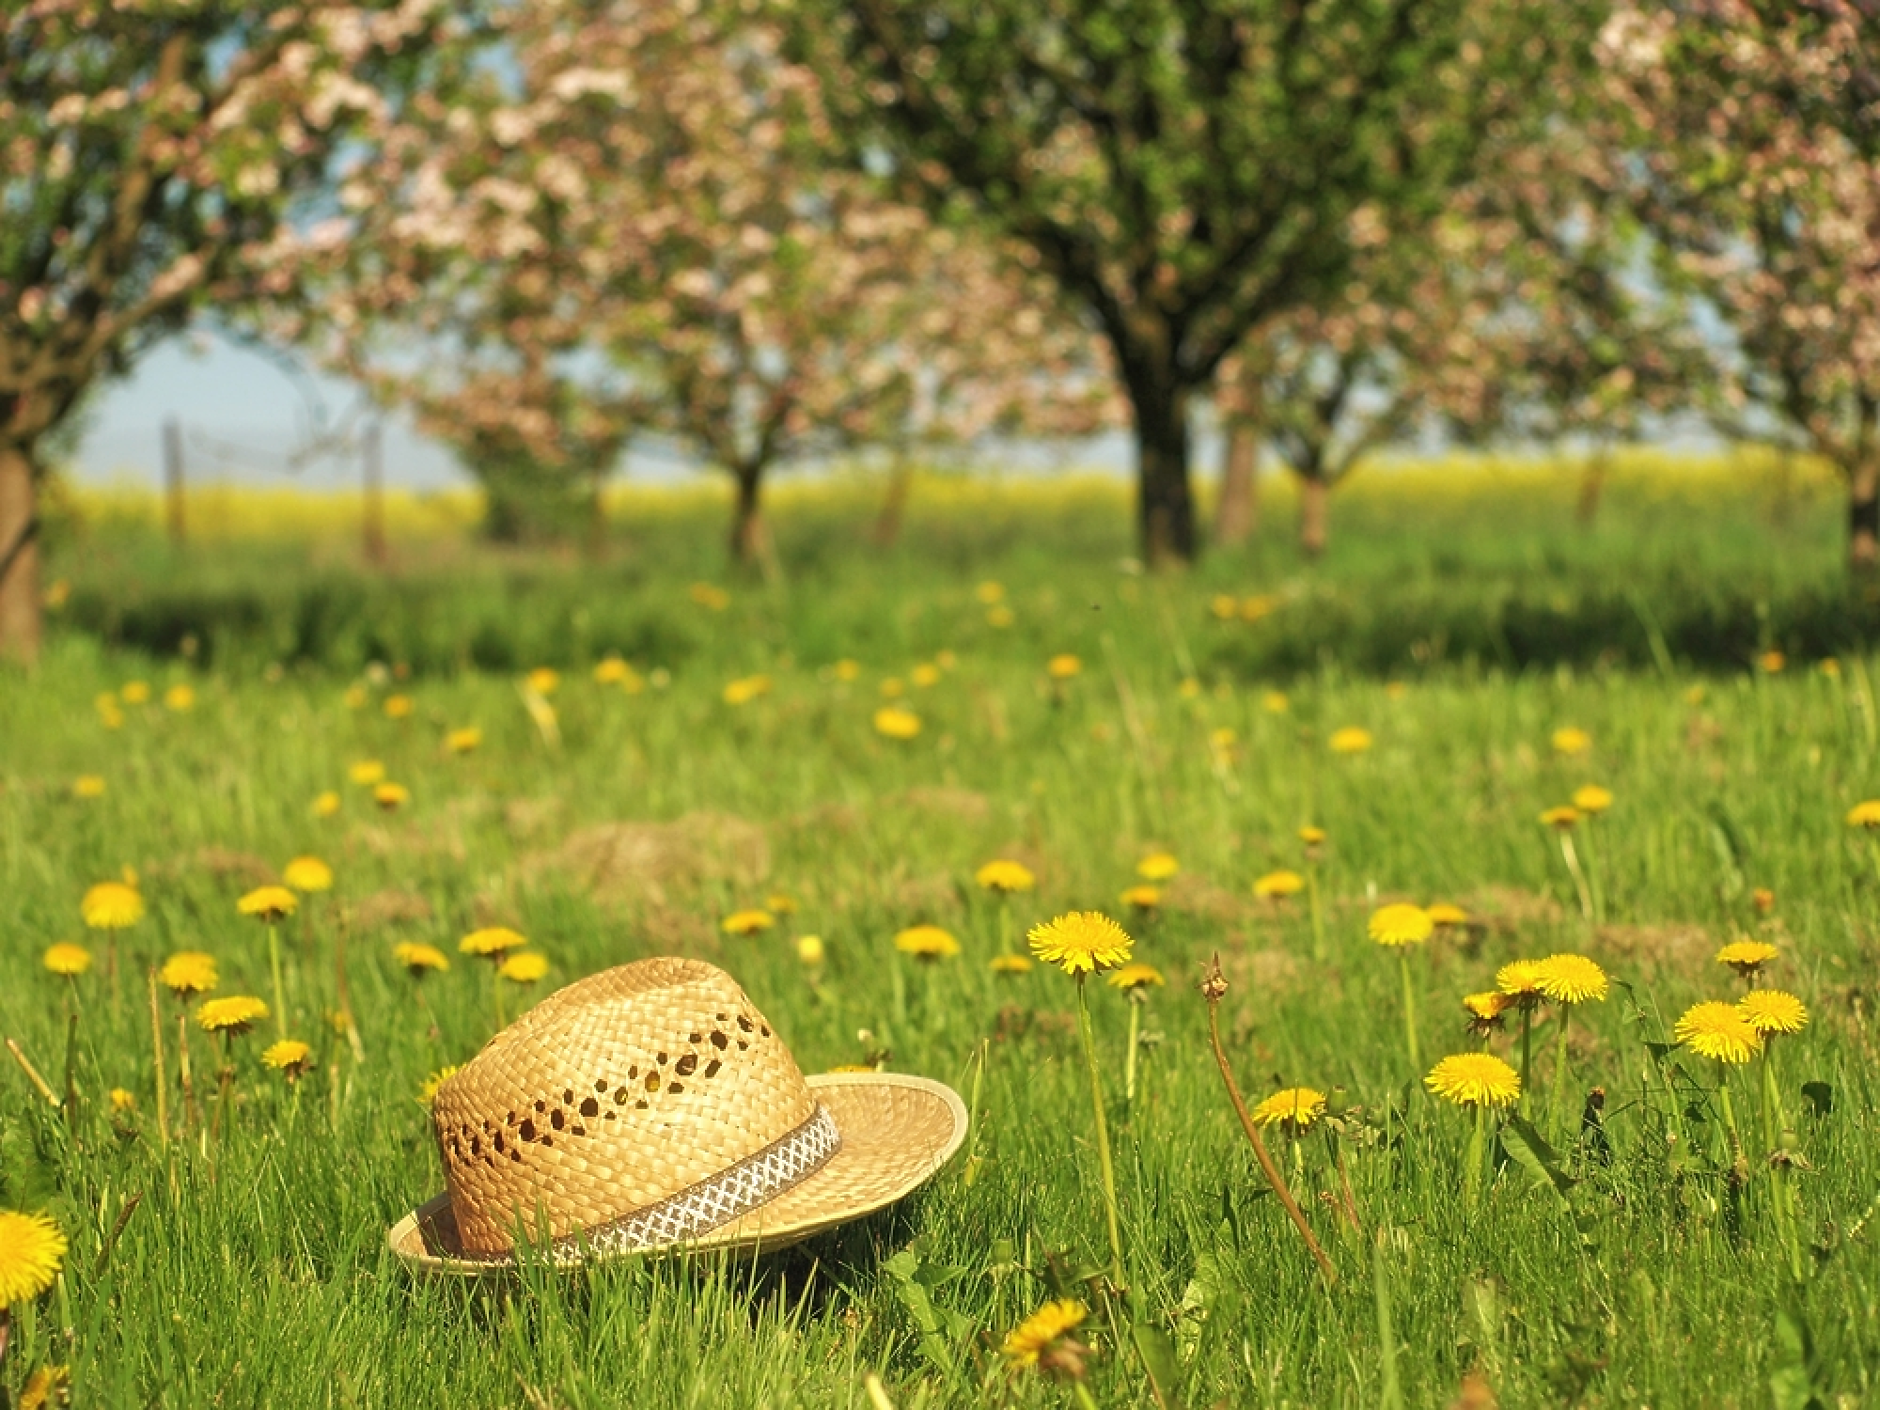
column 1698, row 647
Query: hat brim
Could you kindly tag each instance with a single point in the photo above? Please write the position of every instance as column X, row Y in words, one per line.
column 897, row 1133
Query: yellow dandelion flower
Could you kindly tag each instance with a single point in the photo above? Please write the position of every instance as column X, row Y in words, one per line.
column 1274, row 702
column 269, row 903
column 894, row 722
column 847, row 670
column 1485, row 1009
column 31, row 1250
column 926, row 942
column 179, row 698
column 123, row 1099
column 67, row 959
column 47, row 1386
column 356, row 697
column 112, row 905
column 1254, row 609
column 1042, row 1331
column 892, row 688
column 188, row 972
column 1561, row 818
column 290, row 1057
column 234, row 1015
column 326, row 804
column 110, row 716
column 1474, row 1079
column 1570, row 741
column 1865, row 814
column 524, row 968
column 1000, row 617
column 398, row 707
column 1005, row 876
column 1063, row 666
column 746, row 689
column 1277, row 885
column 1224, row 606
column 1157, row 866
column 747, row 922
column 1010, row 964
column 1570, row 979
column 543, row 680
column 1591, row 799
column 88, row 786
column 1772, row 662
column 391, row 796
column 1520, row 980
column 1446, row 916
column 427, row 1090
column 1773, row 1011
column 1136, row 975
column 1296, row 1107
column 307, row 875
column 135, row 692
column 1763, row 899
column 925, row 675
column 1081, row 942
column 1747, row 957
column 464, row 741
column 780, row 903
column 1350, row 740
column 420, row 959
column 990, row 594
column 366, row 772
column 809, row 949
column 1141, row 898
column 1718, row 1030
column 710, row 597
column 1312, row 836
column 1830, row 668
column 1400, row 924
column 612, row 670
column 1190, row 689
column 491, row 941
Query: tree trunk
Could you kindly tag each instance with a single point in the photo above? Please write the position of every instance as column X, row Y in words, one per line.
column 1165, row 506
column 1238, row 513
column 750, row 540
column 888, row 522
column 1314, row 497
column 19, row 557
column 1592, row 485
column 1863, row 516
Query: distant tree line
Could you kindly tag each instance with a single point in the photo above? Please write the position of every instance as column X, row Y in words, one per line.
column 767, row 231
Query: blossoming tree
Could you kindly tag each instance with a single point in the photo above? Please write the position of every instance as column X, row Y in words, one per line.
column 1184, row 169
column 149, row 156
column 1747, row 137
column 642, row 205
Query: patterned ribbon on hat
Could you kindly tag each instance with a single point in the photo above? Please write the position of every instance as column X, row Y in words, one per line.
column 717, row 1200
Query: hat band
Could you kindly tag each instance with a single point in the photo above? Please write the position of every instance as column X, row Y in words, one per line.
column 716, row 1200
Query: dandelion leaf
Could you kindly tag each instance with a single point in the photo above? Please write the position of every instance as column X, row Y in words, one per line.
column 1527, row 1148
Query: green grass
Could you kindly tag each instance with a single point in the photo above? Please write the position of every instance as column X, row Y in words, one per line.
column 254, row 1271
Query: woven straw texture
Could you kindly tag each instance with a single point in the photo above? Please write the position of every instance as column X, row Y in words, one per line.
column 650, row 1106
column 611, row 1095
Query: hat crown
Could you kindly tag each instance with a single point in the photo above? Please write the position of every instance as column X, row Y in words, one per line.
column 622, row 1090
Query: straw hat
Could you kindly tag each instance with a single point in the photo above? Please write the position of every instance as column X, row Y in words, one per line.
column 651, row 1106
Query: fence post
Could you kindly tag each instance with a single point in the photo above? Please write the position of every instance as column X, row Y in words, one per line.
column 173, row 479
column 371, row 453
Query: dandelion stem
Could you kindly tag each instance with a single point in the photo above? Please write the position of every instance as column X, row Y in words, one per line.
column 1129, row 1063
column 274, row 968
column 1103, row 1134
column 1527, row 1036
column 1472, row 1167
column 1561, row 1074
column 1085, row 1401
column 1212, row 988
column 163, row 1077
column 1410, row 1012
column 1597, row 890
